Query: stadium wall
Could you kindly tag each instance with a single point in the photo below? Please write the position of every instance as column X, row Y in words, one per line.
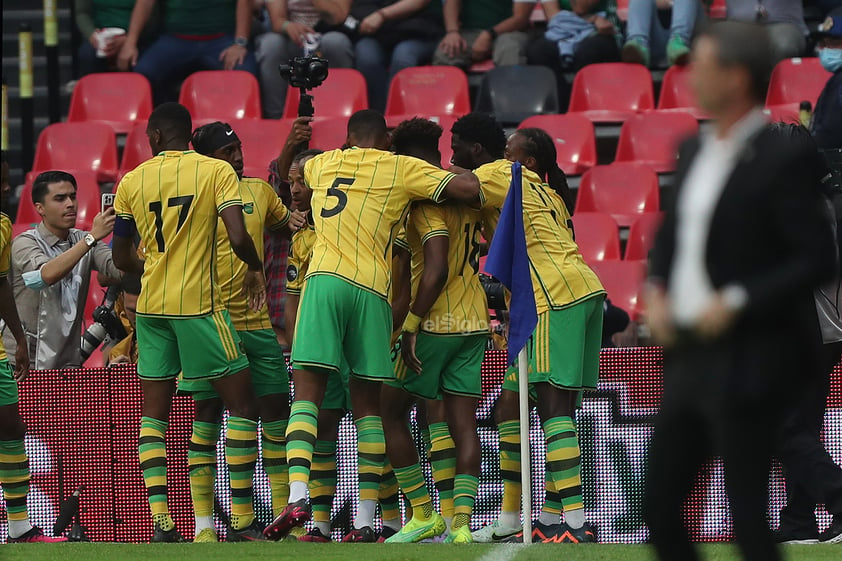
column 83, row 428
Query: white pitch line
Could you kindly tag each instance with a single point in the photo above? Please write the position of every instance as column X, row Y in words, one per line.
column 503, row 552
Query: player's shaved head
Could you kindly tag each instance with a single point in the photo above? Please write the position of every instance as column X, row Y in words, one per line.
column 169, row 128
column 419, row 138
column 367, row 129
column 477, row 139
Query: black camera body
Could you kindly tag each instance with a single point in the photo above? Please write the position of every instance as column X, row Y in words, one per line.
column 105, row 323
column 306, row 72
column 495, row 292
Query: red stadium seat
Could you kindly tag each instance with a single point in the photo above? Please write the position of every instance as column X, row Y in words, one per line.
column 611, row 92
column 574, row 138
column 137, row 149
column 342, row 94
column 18, row 229
column 623, row 10
column 783, row 113
column 795, row 80
column 221, row 95
column 653, row 139
column 426, row 91
column 597, row 236
column 78, row 146
column 718, row 9
column 329, row 133
column 642, row 236
column 677, row 95
column 624, row 190
column 88, row 201
column 116, row 99
column 623, row 280
column 262, row 140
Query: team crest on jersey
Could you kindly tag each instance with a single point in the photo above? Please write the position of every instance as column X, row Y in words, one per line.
column 292, row 273
column 248, row 208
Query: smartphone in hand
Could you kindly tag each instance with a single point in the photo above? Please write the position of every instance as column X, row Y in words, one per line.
column 107, row 201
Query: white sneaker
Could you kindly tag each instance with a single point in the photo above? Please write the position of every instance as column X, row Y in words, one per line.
column 495, row 532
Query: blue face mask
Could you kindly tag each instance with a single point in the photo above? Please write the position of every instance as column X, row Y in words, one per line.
column 831, row 59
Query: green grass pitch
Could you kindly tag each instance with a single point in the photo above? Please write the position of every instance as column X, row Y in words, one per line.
column 375, row 552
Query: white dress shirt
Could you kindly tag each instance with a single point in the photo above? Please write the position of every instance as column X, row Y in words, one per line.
column 691, row 291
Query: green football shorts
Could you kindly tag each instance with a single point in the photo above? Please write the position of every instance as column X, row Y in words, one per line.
column 201, row 348
column 338, row 320
column 8, row 386
column 449, row 363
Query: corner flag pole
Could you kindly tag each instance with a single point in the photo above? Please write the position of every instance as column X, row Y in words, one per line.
column 525, row 451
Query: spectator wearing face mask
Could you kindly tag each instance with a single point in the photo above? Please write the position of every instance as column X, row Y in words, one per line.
column 827, row 119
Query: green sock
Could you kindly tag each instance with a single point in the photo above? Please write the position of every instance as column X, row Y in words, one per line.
column 301, row 436
column 241, row 454
column 201, row 461
column 14, row 478
column 411, row 480
column 389, row 500
column 464, row 496
column 371, row 449
column 275, row 462
column 510, row 464
column 323, row 479
column 443, row 461
column 564, row 461
column 152, row 450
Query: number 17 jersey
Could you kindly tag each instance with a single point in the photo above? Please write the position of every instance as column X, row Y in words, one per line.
column 174, row 200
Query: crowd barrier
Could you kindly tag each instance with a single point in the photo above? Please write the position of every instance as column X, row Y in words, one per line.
column 83, row 430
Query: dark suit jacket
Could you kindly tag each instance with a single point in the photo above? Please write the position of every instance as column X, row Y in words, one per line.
column 769, row 234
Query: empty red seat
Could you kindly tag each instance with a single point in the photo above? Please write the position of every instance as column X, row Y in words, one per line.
column 137, row 149
column 597, row 236
column 221, row 95
column 88, row 200
column 574, row 138
column 653, row 139
column 612, row 91
column 623, row 280
column 795, row 80
column 342, row 94
column 330, row 133
column 262, row 140
column 677, row 94
column 642, row 236
column 116, row 99
column 624, row 190
column 78, row 146
column 718, row 9
column 428, row 90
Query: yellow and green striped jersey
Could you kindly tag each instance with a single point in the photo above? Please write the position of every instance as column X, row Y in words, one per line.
column 298, row 260
column 360, row 197
column 560, row 276
column 262, row 208
column 5, row 259
column 461, row 308
column 174, row 200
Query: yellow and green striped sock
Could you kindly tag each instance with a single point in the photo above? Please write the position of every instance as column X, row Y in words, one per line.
column 275, row 462
column 14, row 478
column 510, row 464
column 301, row 436
column 411, row 480
column 564, row 461
column 323, row 479
column 241, row 455
column 443, row 461
column 201, row 461
column 464, row 497
column 152, row 450
column 389, row 501
column 371, row 449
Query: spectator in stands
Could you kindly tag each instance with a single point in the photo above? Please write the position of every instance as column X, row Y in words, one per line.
column 51, row 272
column 827, row 118
column 197, row 35
column 478, row 30
column 291, row 22
column 646, row 35
column 125, row 351
column 783, row 18
column 92, row 17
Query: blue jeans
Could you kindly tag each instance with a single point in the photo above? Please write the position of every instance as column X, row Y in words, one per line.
column 379, row 65
column 644, row 25
column 170, row 58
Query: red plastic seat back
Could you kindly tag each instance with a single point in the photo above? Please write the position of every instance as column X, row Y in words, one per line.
column 612, row 91
column 116, row 99
column 624, row 190
column 653, row 139
column 574, row 138
column 221, row 95
column 137, row 149
column 642, row 236
column 329, row 133
column 597, row 236
column 262, row 140
column 623, row 280
column 795, row 80
column 78, row 146
column 342, row 94
column 429, row 90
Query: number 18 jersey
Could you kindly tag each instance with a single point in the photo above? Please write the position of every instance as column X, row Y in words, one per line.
column 360, row 198
column 174, row 200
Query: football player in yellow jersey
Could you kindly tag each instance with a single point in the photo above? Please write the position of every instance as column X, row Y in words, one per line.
column 444, row 359
column 564, row 349
column 172, row 201
column 262, row 209
column 14, row 463
column 360, row 195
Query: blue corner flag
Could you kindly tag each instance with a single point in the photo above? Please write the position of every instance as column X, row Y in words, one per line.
column 509, row 263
